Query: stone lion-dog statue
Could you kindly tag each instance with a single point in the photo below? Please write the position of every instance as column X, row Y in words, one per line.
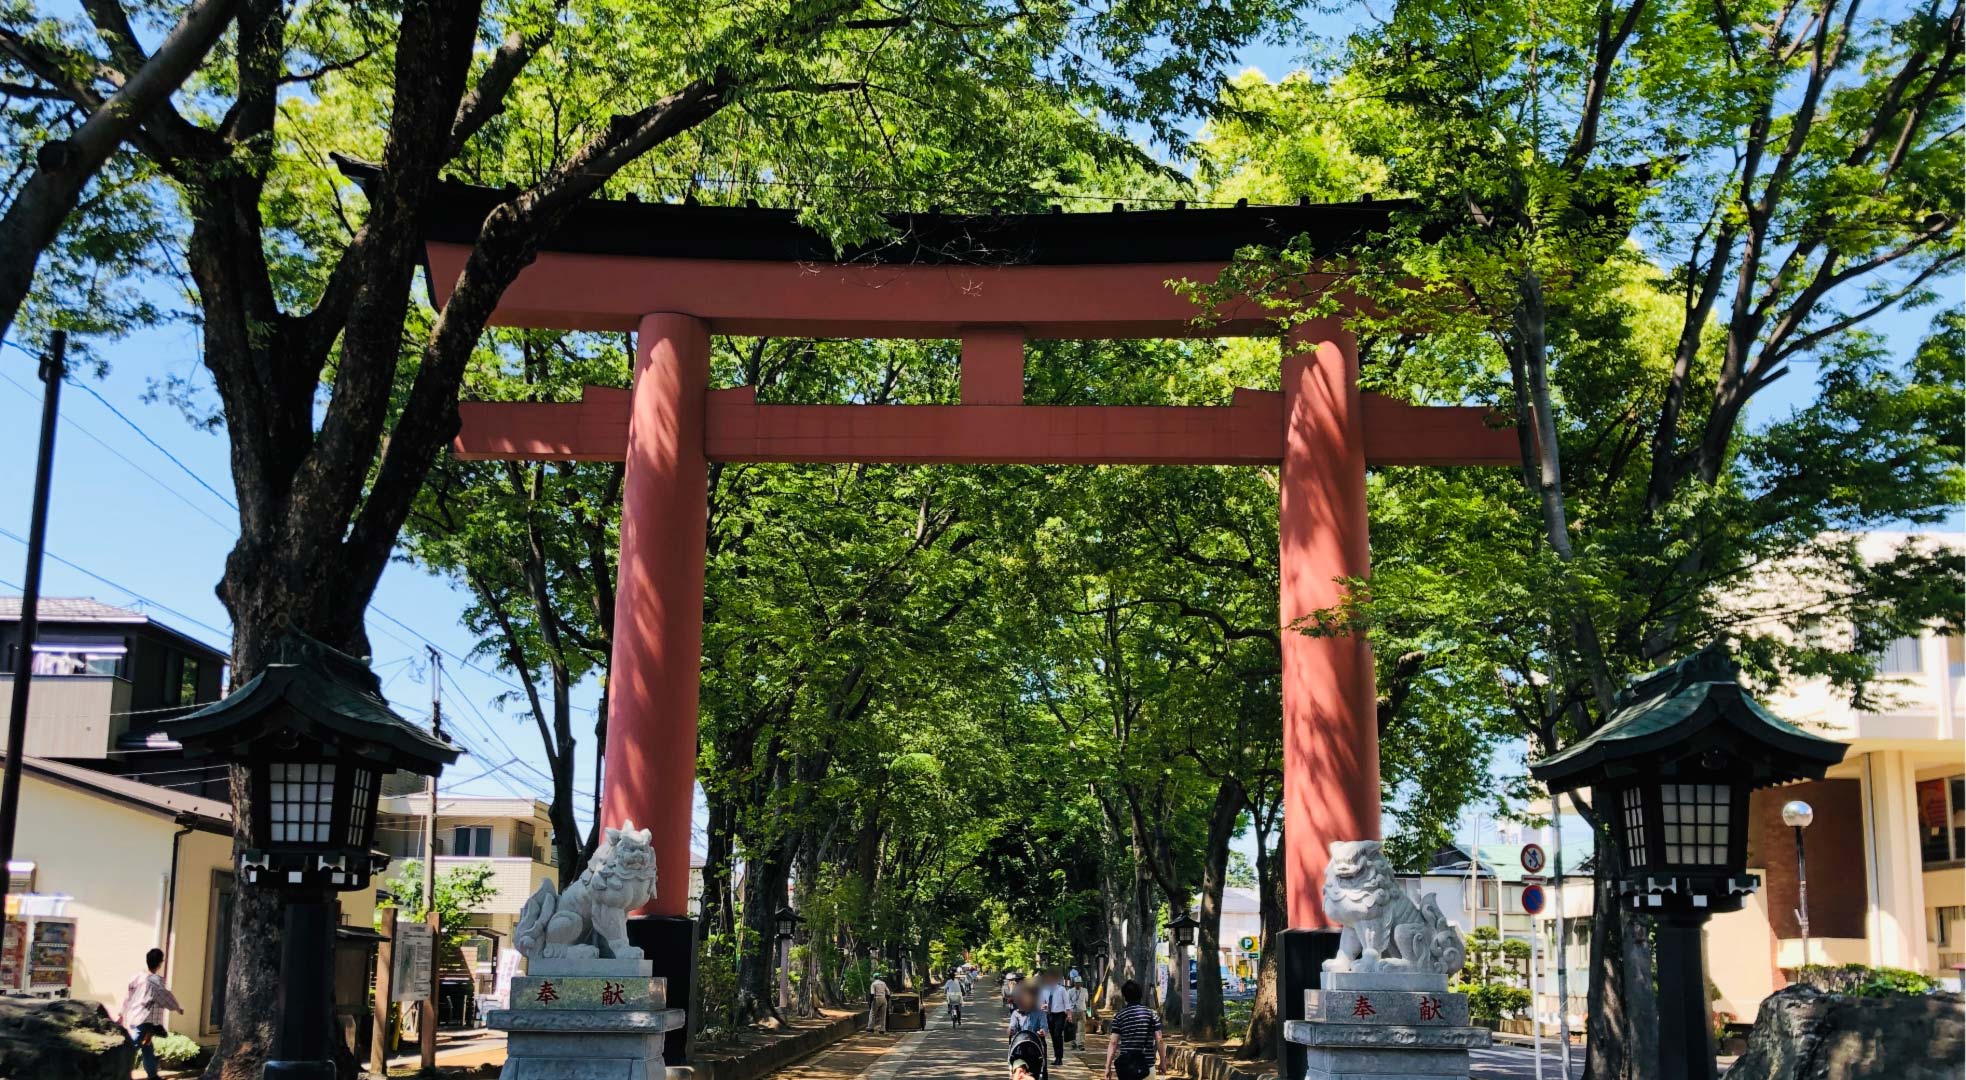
column 590, row 919
column 1384, row 929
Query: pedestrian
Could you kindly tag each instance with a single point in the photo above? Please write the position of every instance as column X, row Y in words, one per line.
column 877, row 995
column 1137, row 1045
column 1079, row 1002
column 1027, row 1032
column 144, row 1007
column 1056, row 1003
column 952, row 994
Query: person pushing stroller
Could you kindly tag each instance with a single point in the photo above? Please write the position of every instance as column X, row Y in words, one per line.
column 1027, row 1060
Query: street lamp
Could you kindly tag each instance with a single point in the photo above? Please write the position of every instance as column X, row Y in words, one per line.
column 1797, row 815
column 315, row 738
column 1671, row 768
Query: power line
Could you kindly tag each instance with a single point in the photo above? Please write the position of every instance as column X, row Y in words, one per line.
column 72, row 422
column 227, row 634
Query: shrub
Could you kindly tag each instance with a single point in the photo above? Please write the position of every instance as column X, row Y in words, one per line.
column 1862, row 980
column 177, row 1051
column 1493, row 1001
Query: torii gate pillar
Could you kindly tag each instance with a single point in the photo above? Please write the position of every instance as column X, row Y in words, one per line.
column 658, row 632
column 1330, row 729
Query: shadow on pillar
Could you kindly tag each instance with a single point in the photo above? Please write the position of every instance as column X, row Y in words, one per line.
column 1302, row 968
column 670, row 942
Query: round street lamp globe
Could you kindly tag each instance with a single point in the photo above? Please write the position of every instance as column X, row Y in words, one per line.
column 1797, row 814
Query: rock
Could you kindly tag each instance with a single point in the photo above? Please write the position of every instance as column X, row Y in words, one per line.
column 48, row 1037
column 1805, row 1034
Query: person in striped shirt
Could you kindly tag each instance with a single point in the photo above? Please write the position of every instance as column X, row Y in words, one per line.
column 1138, row 1045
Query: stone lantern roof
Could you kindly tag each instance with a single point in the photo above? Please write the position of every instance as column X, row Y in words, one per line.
column 322, row 693
column 1688, row 707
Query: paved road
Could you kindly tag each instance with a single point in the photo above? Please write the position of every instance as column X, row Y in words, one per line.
column 976, row 1051
column 1506, row 1062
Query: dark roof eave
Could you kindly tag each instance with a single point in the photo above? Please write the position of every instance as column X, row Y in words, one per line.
column 687, row 231
column 282, row 685
column 1809, row 755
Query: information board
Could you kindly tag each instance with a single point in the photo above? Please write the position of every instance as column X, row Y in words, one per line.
column 411, row 967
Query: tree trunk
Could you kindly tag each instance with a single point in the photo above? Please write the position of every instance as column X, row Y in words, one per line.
column 1207, row 1024
column 1265, row 1021
column 1622, row 1028
column 1140, row 936
column 1107, row 990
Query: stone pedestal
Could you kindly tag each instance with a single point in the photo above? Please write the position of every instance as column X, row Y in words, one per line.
column 586, row 1020
column 1385, row 1026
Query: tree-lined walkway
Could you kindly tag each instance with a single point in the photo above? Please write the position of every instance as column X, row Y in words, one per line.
column 974, row 1051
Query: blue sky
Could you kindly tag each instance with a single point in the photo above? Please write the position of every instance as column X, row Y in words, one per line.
column 140, row 516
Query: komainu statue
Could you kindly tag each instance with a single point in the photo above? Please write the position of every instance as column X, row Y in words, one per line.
column 590, row 919
column 1384, row 930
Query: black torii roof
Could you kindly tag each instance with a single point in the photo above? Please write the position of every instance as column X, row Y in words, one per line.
column 323, row 693
column 1684, row 708
column 753, row 233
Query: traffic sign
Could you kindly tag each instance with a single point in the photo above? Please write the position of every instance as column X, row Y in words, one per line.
column 1248, row 943
column 1532, row 899
column 1533, row 858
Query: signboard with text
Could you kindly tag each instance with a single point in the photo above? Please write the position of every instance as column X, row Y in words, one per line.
column 412, row 965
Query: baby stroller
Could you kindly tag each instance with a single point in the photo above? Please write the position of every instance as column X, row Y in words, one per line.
column 1027, row 1056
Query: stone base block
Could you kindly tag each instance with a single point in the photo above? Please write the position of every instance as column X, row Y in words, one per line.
column 1386, row 1036
column 584, row 1044
column 589, row 992
column 1414, row 981
column 532, row 1056
column 1387, row 1007
column 1383, row 1062
column 1384, row 1051
column 593, row 965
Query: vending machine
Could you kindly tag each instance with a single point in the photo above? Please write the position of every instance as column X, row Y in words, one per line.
column 37, row 954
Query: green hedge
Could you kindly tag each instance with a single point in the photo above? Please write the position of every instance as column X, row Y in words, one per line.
column 177, row 1051
column 1862, row 980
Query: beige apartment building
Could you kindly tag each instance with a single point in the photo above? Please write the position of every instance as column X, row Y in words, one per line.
column 1886, row 854
column 510, row 834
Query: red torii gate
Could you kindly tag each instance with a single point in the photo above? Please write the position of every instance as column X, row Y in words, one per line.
column 676, row 274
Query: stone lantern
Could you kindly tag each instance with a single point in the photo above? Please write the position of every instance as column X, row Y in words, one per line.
column 315, row 738
column 1670, row 771
column 1181, row 929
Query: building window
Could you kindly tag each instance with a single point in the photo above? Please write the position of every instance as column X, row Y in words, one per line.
column 1634, row 808
column 1946, row 926
column 302, row 800
column 1901, row 657
column 472, row 841
column 522, row 834
column 1942, row 820
column 181, row 687
column 1695, row 820
column 57, row 658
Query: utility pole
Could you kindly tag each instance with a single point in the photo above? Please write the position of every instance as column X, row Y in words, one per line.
column 427, row 1015
column 53, row 368
column 1562, row 935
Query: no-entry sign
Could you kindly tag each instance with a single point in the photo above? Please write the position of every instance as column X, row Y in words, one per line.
column 1533, row 858
column 1532, row 899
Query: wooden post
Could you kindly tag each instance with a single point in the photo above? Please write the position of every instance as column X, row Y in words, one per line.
column 385, row 961
column 427, row 1021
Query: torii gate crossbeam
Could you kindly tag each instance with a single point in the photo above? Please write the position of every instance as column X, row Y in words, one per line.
column 677, row 274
